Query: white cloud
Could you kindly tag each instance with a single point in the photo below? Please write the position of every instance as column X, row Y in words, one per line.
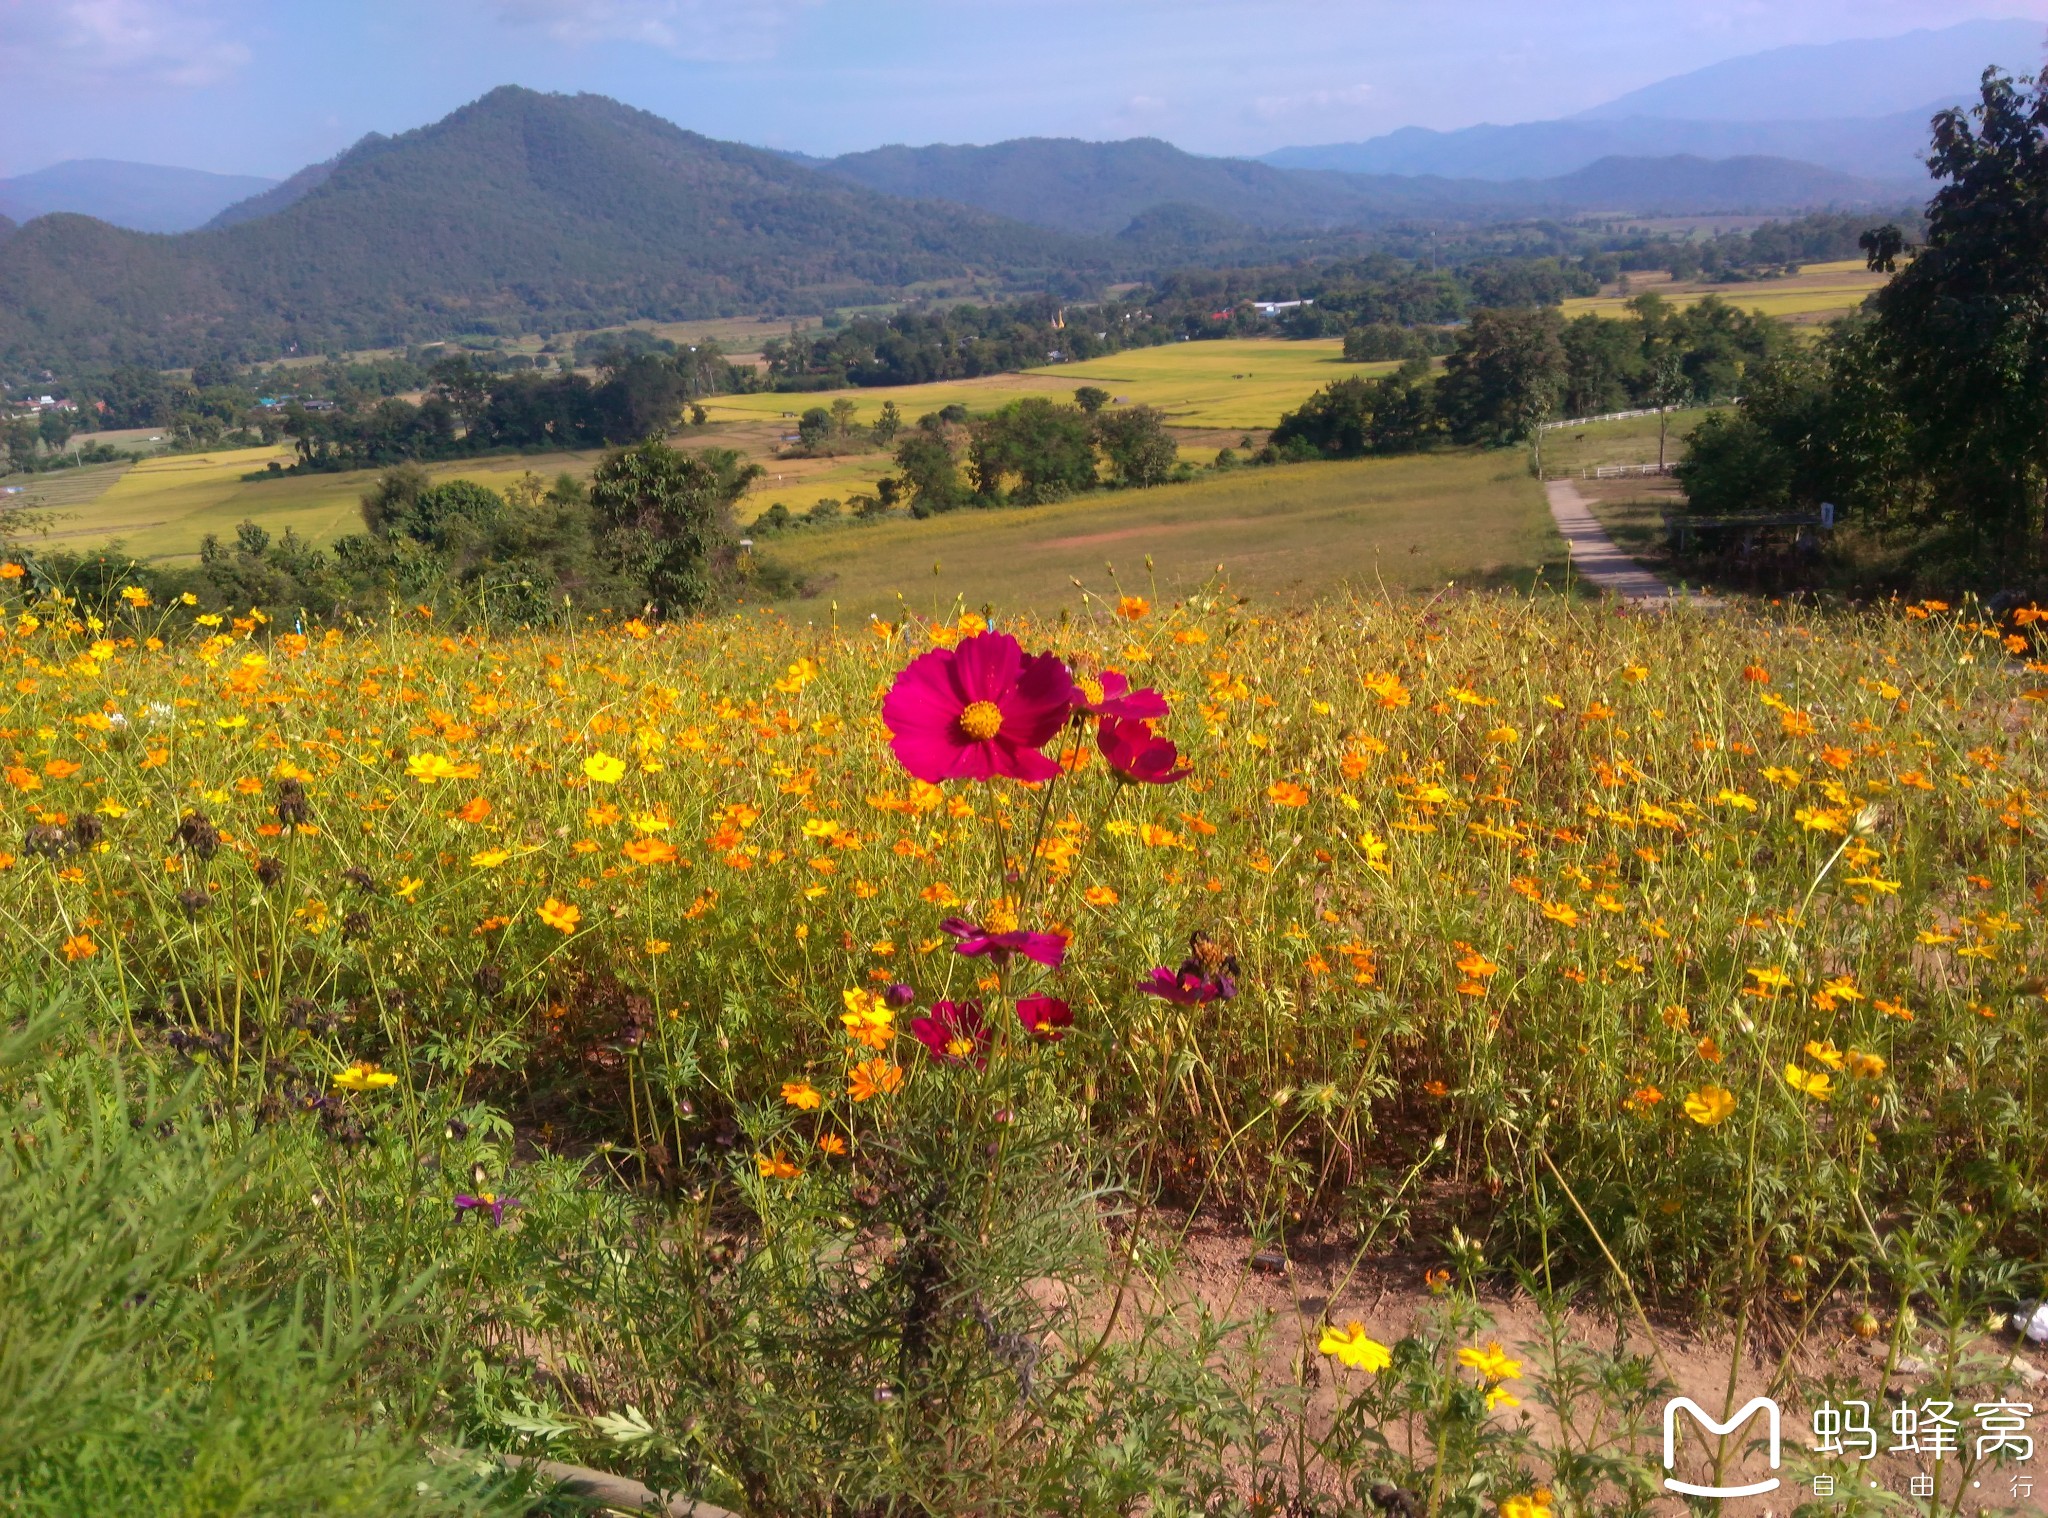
column 1273, row 107
column 702, row 30
column 161, row 42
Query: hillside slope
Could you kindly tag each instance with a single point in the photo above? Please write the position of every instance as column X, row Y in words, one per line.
column 518, row 211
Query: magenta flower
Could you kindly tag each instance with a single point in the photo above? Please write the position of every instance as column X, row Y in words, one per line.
column 980, row 710
column 1138, row 754
column 899, row 994
column 487, row 1201
column 1109, row 694
column 1204, row 976
column 1045, row 1018
column 1049, row 949
column 954, row 1033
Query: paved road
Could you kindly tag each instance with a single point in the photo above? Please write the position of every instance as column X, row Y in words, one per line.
column 1595, row 556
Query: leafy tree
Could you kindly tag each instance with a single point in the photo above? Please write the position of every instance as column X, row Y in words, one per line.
column 1964, row 326
column 665, row 520
column 1049, row 448
column 55, row 429
column 1141, row 452
column 1351, row 418
column 888, row 424
column 1506, row 377
column 1091, row 398
column 814, row 427
column 843, row 411
column 929, row 469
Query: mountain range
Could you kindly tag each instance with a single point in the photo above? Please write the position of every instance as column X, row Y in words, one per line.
column 519, row 211
column 1860, row 107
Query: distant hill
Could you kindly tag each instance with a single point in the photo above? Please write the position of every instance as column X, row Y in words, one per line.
column 140, row 196
column 1099, row 187
column 1876, row 76
column 291, row 191
column 518, row 211
column 1152, row 194
column 1858, row 107
column 1886, row 148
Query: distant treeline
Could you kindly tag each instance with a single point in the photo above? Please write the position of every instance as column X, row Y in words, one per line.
column 1510, row 371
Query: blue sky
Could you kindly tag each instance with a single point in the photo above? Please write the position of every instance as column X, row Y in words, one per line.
column 243, row 86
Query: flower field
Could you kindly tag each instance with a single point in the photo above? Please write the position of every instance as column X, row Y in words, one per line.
column 691, row 1048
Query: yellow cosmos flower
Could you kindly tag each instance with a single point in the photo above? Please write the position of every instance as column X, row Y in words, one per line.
column 1491, row 1361
column 560, row 915
column 1351, row 1345
column 1866, row 1067
column 604, row 769
column 363, row 1076
column 1710, row 1106
column 868, row 1019
column 489, row 859
column 1814, row 1083
column 1535, row 1504
column 1824, row 1052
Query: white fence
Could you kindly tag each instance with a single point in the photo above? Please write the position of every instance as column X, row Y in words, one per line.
column 1587, row 421
column 1630, row 471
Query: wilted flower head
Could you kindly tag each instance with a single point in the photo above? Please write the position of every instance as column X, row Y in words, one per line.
column 1136, row 753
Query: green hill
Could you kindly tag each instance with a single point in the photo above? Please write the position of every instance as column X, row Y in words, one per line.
column 520, row 211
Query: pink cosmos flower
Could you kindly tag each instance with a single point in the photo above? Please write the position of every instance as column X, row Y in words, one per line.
column 486, row 1201
column 1137, row 753
column 1109, row 694
column 981, row 709
column 1045, row 1018
column 1197, row 982
column 1049, row 949
column 954, row 1033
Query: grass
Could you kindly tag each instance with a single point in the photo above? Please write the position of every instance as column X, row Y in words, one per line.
column 1819, row 292
column 161, row 508
column 1236, row 384
column 1580, row 450
column 1290, row 533
column 1562, row 942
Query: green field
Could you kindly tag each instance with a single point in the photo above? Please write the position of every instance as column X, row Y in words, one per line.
column 1818, row 292
column 1234, row 384
column 1576, row 450
column 1294, row 531
column 162, row 508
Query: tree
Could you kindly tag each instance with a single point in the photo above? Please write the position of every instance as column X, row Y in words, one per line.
column 1964, row 326
column 929, row 470
column 1666, row 388
column 1506, row 377
column 55, row 428
column 664, row 520
column 888, row 424
column 1141, row 452
column 1091, row 398
column 1049, row 448
column 1882, row 248
column 814, row 428
column 843, row 411
column 1351, row 418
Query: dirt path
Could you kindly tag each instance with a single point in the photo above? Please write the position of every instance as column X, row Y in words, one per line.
column 1595, row 556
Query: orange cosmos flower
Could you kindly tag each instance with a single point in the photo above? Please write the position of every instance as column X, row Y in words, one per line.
column 476, row 809
column 802, row 1095
column 651, row 851
column 776, row 1167
column 1287, row 793
column 872, row 1078
column 831, row 1143
column 80, row 946
column 1133, row 608
column 560, row 915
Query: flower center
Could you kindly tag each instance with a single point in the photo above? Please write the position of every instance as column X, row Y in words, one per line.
column 982, row 721
column 1092, row 689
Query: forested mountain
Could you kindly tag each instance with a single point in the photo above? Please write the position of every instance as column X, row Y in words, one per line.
column 144, row 197
column 1160, row 194
column 518, row 211
column 1100, row 187
column 291, row 191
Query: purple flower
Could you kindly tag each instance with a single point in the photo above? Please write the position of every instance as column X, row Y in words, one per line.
column 1135, row 752
column 1195, row 983
column 1045, row 1018
column 954, row 1033
column 485, row 1201
column 1110, row 695
column 899, row 995
column 1048, row 949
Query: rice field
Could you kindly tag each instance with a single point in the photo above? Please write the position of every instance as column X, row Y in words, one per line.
column 1817, row 293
